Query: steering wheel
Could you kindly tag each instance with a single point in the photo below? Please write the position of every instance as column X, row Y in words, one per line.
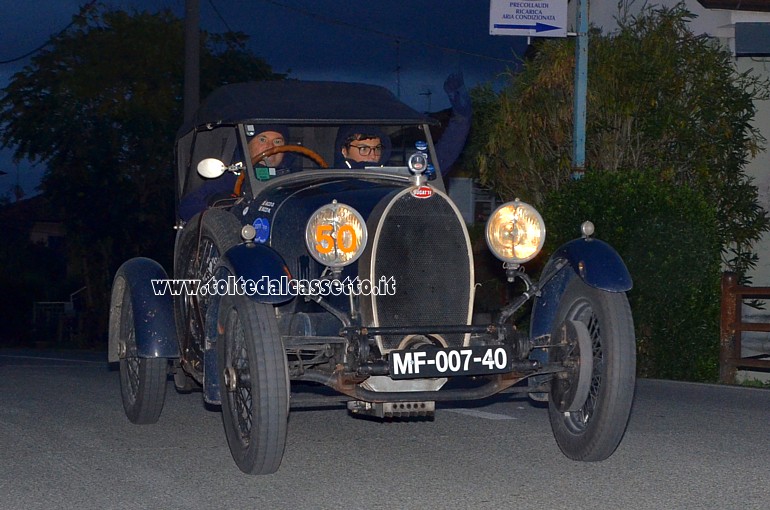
column 317, row 158
column 291, row 148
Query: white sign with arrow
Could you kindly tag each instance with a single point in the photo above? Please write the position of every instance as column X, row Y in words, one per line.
column 532, row 18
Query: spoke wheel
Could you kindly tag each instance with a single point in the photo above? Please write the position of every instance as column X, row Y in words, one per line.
column 593, row 429
column 198, row 250
column 254, row 382
column 142, row 380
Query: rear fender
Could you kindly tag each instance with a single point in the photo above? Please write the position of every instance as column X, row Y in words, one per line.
column 154, row 325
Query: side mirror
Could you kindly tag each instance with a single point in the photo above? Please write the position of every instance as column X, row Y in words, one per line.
column 211, row 168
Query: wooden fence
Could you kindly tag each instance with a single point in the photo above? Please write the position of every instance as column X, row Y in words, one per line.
column 732, row 328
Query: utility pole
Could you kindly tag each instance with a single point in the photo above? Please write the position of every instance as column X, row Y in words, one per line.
column 549, row 19
column 581, row 89
column 398, row 69
column 192, row 57
column 427, row 95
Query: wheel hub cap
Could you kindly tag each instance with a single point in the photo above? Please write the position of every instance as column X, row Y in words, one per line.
column 231, row 379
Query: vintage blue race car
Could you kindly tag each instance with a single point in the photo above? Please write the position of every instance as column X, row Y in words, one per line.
column 360, row 279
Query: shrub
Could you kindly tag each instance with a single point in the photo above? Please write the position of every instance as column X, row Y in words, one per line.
column 668, row 237
column 661, row 99
column 669, row 132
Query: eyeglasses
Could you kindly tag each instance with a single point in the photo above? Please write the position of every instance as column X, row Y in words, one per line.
column 365, row 150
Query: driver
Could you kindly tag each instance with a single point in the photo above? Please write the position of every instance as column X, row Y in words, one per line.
column 212, row 190
column 268, row 137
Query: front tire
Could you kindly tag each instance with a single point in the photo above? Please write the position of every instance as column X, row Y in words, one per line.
column 595, row 429
column 142, row 380
column 254, row 381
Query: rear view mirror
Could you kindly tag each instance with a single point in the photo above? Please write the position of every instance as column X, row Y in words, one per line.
column 211, row 168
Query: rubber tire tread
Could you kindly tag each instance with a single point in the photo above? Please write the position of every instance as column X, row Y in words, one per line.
column 151, row 399
column 267, row 358
column 151, row 394
column 608, row 423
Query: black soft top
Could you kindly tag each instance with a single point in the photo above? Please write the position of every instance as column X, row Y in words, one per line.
column 305, row 102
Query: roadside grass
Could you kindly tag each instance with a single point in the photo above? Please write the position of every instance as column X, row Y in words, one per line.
column 755, row 383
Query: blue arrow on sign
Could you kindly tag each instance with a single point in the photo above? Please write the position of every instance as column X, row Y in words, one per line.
column 538, row 27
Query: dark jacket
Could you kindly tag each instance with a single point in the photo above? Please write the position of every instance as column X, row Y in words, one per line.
column 449, row 145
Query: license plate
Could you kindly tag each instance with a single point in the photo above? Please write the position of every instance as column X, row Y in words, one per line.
column 432, row 362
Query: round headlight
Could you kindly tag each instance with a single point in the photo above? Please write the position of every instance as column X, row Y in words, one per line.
column 336, row 235
column 515, row 232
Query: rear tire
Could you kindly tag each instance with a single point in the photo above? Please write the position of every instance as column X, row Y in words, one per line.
column 142, row 380
column 254, row 382
column 595, row 429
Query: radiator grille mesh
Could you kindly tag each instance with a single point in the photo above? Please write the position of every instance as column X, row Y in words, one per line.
column 422, row 244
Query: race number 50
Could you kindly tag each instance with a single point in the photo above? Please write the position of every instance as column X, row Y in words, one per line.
column 346, row 242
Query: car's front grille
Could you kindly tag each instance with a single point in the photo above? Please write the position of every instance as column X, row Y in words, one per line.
column 423, row 245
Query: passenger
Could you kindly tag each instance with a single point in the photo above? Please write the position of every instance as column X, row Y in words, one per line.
column 452, row 141
column 213, row 190
column 363, row 146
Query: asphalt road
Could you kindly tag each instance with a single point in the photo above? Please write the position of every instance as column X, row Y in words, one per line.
column 66, row 444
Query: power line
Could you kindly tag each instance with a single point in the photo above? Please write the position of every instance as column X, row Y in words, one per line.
column 219, row 15
column 397, row 38
column 22, row 57
column 46, row 43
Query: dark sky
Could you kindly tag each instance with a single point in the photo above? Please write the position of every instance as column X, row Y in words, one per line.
column 408, row 46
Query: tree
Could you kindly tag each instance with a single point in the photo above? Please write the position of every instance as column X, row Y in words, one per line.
column 660, row 99
column 100, row 106
column 669, row 132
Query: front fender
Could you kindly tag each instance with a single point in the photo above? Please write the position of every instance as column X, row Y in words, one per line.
column 254, row 266
column 153, row 310
column 260, row 266
column 595, row 261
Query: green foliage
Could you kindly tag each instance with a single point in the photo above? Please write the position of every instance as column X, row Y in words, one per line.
column 100, row 106
column 669, row 132
column 755, row 383
column 486, row 107
column 668, row 237
column 660, row 100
